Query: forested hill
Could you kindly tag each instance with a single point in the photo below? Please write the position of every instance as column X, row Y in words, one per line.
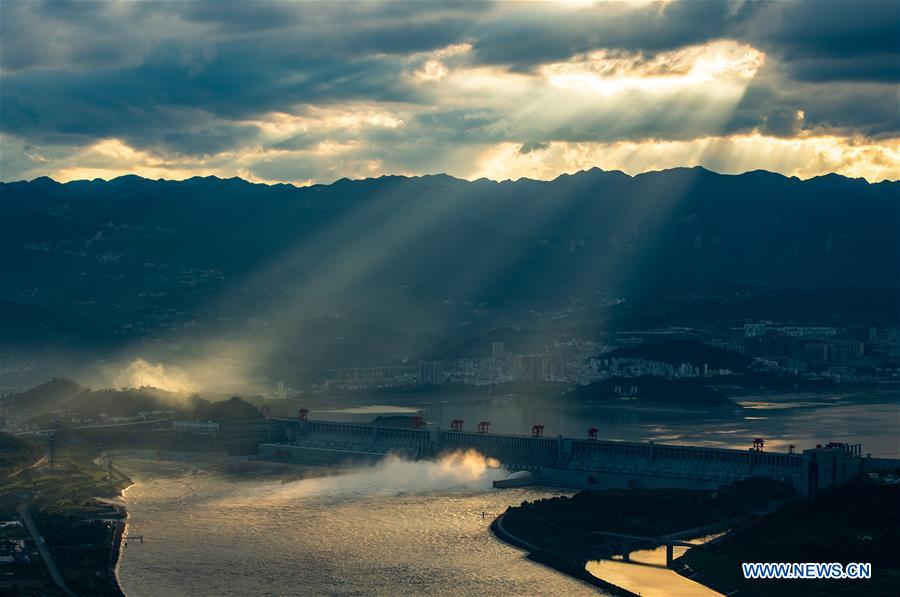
column 399, row 267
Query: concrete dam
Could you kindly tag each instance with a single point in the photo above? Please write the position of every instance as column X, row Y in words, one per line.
column 566, row 461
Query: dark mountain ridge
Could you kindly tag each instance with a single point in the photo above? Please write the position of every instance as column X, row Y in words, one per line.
column 427, row 259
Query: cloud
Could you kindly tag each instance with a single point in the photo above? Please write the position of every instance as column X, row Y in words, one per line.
column 802, row 157
column 298, row 91
column 527, row 148
column 524, row 39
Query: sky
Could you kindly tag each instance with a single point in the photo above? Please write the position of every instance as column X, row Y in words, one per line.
column 306, row 92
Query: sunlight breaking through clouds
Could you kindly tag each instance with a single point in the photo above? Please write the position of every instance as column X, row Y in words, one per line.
column 803, row 157
column 609, row 73
column 140, row 373
column 307, row 94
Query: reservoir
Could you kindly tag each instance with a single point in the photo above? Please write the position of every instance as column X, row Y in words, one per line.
column 803, row 420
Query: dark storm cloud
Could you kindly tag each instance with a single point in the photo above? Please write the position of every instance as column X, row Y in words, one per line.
column 180, row 94
column 184, row 78
column 832, row 41
column 188, row 89
column 527, row 39
column 530, row 146
column 864, row 108
column 816, row 40
column 240, row 16
column 831, row 29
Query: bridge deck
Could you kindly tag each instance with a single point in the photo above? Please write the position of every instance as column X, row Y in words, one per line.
column 653, row 540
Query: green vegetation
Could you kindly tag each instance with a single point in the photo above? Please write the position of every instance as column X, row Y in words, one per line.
column 81, row 550
column 569, row 524
column 75, row 402
column 65, row 497
column 231, row 411
column 16, row 454
column 561, row 532
column 45, row 397
column 78, row 530
column 855, row 523
column 127, row 402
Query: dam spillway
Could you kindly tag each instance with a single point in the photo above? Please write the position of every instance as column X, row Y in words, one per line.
column 566, row 461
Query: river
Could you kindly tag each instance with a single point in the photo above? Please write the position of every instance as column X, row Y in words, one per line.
column 412, row 528
column 417, row 528
column 647, row 575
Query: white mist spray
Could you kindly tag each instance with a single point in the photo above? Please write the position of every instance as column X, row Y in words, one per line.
column 467, row 470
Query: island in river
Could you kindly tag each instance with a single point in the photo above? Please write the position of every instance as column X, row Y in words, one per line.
column 564, row 532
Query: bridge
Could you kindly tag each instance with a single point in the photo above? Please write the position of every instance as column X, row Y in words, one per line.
column 654, row 541
column 566, row 461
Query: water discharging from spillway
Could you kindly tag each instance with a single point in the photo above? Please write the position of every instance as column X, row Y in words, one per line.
column 396, row 528
column 395, row 475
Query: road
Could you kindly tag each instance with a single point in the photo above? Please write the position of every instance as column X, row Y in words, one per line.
column 97, row 426
column 45, row 553
column 21, row 470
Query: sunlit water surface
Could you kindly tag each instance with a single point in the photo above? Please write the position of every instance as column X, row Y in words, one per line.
column 647, row 575
column 417, row 528
column 207, row 533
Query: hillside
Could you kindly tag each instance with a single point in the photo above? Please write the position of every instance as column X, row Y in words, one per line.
column 390, row 270
column 650, row 391
column 863, row 526
column 16, row 453
column 48, row 396
column 231, row 411
column 129, row 402
column 683, row 351
column 124, row 402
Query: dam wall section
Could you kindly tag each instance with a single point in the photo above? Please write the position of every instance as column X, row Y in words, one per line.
column 570, row 462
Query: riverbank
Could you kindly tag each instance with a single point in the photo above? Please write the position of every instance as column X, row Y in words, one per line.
column 120, row 534
column 569, row 568
column 72, row 510
column 855, row 523
column 564, row 533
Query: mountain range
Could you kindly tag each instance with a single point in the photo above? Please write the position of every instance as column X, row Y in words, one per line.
column 425, row 264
